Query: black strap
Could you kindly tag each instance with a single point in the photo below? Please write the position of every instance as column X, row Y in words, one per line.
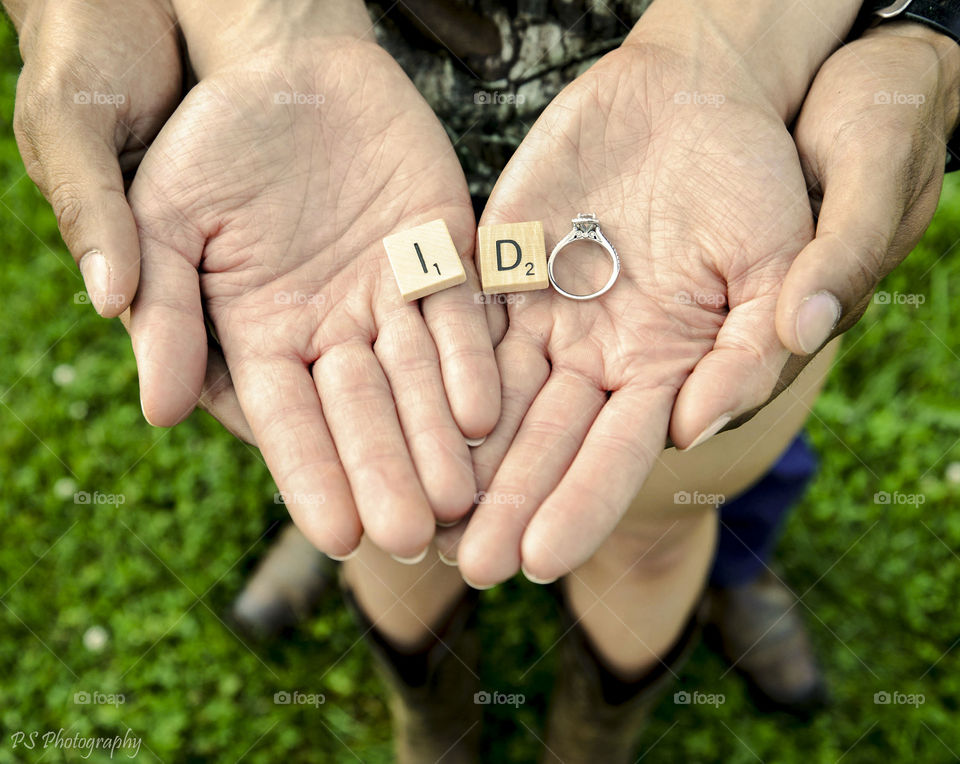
column 942, row 15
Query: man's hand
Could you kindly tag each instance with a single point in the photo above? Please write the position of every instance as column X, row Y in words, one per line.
column 99, row 79
column 264, row 200
column 871, row 137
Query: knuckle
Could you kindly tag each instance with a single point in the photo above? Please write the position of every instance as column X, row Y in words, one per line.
column 870, row 255
column 66, row 198
column 549, row 431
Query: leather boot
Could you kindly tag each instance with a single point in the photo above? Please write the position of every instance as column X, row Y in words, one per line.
column 431, row 691
column 285, row 587
column 757, row 628
column 594, row 715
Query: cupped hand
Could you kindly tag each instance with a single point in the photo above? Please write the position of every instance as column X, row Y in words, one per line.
column 696, row 182
column 98, row 82
column 872, row 140
column 263, row 202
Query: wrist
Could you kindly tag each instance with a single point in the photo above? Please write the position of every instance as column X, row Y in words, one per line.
column 26, row 20
column 940, row 54
column 28, row 17
column 769, row 47
column 219, row 33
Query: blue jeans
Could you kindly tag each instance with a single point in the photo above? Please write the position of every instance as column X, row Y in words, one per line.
column 750, row 525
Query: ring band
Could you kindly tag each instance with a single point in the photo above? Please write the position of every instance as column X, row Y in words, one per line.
column 585, row 227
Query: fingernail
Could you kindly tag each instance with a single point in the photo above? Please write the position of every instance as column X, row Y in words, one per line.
column 146, row 418
column 474, row 442
column 709, row 432
column 816, row 319
column 345, row 557
column 411, row 560
column 447, row 525
column 446, row 560
column 534, row 580
column 96, row 278
column 472, row 585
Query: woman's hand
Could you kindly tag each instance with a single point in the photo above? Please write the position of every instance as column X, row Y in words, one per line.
column 676, row 142
column 264, row 201
column 99, row 80
column 871, row 137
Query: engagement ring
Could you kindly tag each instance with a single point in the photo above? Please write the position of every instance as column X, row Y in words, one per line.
column 585, row 227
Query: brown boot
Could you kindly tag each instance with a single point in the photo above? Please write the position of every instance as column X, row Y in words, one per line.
column 594, row 715
column 431, row 691
column 285, row 586
column 757, row 628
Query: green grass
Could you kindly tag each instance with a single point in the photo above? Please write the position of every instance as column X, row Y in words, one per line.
column 159, row 572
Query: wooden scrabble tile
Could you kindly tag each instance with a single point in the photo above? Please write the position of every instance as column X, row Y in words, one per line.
column 424, row 260
column 512, row 257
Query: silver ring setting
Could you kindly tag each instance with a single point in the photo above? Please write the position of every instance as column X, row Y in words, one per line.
column 586, row 227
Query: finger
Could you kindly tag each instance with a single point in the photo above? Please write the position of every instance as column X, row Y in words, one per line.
column 360, row 411
column 219, row 397
column 73, row 161
column 834, row 276
column 447, row 540
column 409, row 359
column 620, row 449
column 549, row 437
column 280, row 402
column 523, row 371
column 736, row 376
column 459, row 328
column 168, row 333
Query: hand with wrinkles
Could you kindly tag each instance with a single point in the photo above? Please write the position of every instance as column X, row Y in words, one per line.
column 268, row 216
column 696, row 181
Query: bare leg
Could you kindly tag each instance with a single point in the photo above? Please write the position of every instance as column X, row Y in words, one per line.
column 635, row 595
column 407, row 603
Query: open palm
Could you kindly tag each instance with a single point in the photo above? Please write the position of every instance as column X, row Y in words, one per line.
column 263, row 202
column 700, row 189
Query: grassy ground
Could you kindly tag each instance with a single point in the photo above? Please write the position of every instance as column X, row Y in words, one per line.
column 879, row 581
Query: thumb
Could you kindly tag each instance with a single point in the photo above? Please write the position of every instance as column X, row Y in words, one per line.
column 166, row 326
column 830, row 282
column 68, row 152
